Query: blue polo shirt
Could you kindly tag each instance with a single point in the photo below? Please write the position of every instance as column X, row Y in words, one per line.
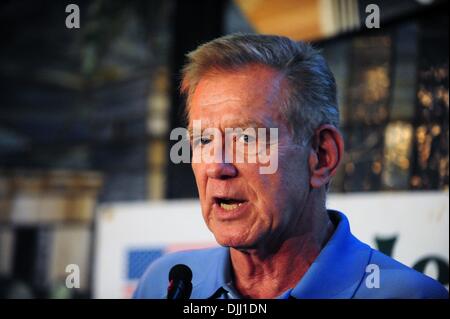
column 345, row 268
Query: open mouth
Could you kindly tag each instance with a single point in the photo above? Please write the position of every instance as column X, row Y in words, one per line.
column 229, row 204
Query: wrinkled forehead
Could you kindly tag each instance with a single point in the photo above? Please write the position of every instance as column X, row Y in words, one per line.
column 232, row 122
column 250, row 94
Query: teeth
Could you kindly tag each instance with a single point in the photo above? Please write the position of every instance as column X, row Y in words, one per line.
column 230, row 206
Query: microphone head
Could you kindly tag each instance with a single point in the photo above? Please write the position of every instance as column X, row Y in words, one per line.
column 180, row 272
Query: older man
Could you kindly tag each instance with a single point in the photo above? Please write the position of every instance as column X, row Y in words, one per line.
column 278, row 239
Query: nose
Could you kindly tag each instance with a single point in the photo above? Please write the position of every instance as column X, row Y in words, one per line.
column 221, row 170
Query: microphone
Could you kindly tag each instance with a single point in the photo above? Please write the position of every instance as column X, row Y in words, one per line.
column 180, row 286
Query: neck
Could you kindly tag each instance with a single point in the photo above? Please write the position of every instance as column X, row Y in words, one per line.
column 268, row 272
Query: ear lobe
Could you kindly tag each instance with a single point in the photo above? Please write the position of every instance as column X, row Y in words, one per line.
column 320, row 178
column 325, row 157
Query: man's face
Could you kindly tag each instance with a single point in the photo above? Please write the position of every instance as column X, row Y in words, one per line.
column 242, row 207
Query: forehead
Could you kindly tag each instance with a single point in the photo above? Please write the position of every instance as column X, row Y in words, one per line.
column 252, row 92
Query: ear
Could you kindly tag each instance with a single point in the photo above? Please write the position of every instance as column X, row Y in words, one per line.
column 326, row 153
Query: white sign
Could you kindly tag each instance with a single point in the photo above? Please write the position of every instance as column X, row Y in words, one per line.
column 412, row 227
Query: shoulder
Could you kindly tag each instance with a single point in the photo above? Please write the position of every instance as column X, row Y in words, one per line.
column 153, row 283
column 397, row 280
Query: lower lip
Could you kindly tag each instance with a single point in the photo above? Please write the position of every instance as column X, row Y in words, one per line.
column 225, row 215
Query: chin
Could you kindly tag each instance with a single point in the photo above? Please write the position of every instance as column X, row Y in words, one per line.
column 236, row 234
column 237, row 241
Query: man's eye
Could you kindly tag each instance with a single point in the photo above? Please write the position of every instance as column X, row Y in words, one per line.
column 246, row 138
column 205, row 140
column 201, row 140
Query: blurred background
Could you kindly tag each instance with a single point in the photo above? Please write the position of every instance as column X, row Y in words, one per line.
column 85, row 117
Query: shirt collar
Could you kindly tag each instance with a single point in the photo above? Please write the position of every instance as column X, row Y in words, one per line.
column 336, row 273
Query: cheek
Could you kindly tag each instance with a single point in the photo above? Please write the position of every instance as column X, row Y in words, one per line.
column 195, row 170
column 198, row 170
column 278, row 190
column 274, row 193
column 294, row 165
column 200, row 178
column 269, row 191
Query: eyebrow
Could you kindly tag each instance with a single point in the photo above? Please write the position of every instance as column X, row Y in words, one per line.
column 240, row 123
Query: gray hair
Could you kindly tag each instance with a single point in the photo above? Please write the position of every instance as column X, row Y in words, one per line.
column 310, row 97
